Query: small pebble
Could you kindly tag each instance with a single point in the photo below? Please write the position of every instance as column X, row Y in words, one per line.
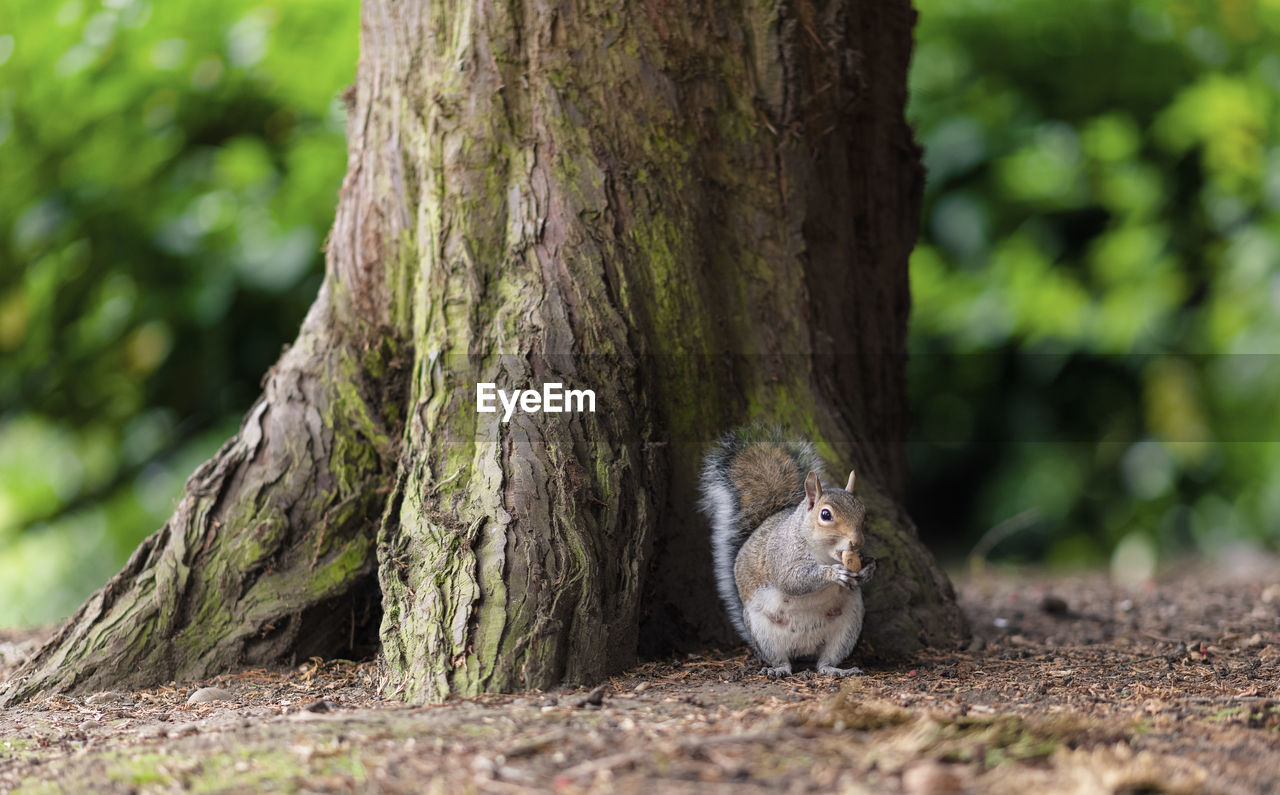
column 207, row 694
column 183, row 730
column 106, row 697
column 593, row 699
column 1054, row 605
column 930, row 777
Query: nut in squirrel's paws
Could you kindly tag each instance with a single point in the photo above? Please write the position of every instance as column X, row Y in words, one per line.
column 850, row 560
column 860, row 567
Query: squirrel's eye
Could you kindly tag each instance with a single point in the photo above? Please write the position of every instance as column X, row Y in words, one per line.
column 825, row 514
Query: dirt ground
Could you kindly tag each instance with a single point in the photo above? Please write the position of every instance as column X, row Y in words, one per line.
column 1072, row 685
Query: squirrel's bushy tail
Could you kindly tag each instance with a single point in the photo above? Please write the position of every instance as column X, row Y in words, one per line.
column 747, row 476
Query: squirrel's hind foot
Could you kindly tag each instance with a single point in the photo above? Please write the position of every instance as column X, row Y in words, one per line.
column 777, row 672
column 831, row 670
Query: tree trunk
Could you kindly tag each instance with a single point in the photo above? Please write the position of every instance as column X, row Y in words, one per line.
column 702, row 213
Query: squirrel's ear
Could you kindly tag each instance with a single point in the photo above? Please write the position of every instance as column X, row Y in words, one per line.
column 849, row 486
column 812, row 488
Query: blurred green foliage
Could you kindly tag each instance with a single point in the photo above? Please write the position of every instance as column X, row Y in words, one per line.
column 167, row 174
column 1096, row 292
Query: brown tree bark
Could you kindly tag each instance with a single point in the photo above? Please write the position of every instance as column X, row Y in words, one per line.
column 701, row 212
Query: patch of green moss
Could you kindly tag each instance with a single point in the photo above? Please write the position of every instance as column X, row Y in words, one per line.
column 332, row 576
column 359, row 441
column 13, row 748
column 790, row 404
column 140, row 770
column 995, row 739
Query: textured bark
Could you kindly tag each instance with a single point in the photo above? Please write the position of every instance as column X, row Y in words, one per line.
column 268, row 556
column 702, row 213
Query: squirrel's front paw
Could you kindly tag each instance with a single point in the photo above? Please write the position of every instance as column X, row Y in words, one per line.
column 863, row 574
column 836, row 572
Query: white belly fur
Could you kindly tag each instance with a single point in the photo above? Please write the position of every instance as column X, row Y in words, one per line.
column 823, row 624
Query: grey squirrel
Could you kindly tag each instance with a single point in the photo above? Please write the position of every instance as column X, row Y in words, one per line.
column 780, row 541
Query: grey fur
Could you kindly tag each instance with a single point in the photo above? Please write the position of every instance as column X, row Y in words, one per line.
column 722, row 505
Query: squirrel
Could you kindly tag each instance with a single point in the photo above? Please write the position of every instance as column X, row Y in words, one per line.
column 780, row 540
